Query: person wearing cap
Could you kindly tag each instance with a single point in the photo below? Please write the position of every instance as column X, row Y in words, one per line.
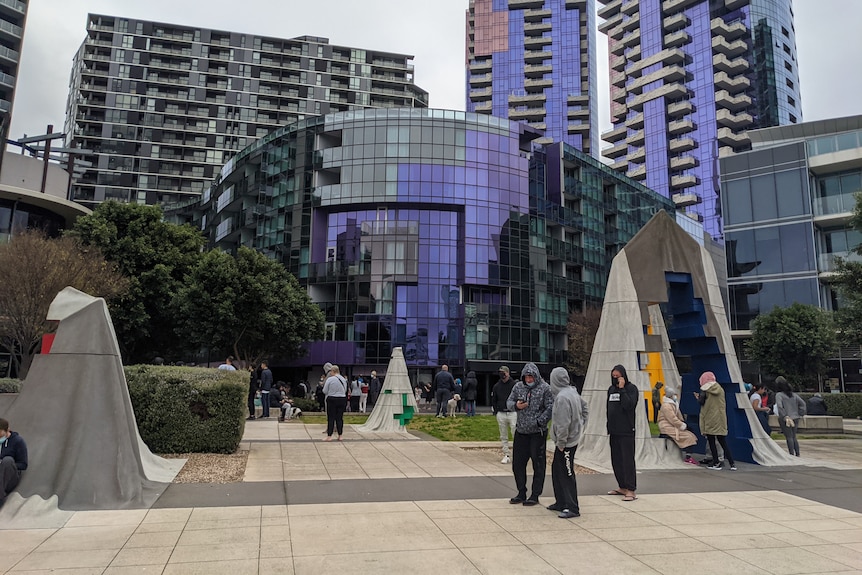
column 713, row 418
column 506, row 419
column 532, row 399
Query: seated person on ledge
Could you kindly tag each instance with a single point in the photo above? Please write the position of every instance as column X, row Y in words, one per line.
column 13, row 459
column 281, row 400
column 817, row 405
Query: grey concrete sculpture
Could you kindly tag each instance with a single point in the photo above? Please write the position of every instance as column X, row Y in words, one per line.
column 396, row 403
column 76, row 416
column 663, row 276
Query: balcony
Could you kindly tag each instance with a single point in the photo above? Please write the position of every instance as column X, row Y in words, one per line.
column 666, row 74
column 675, row 91
column 732, row 103
column 537, row 42
column 536, row 28
column 632, row 39
column 536, row 56
column 536, row 15
column 480, row 80
column 616, row 151
column 14, row 7
column 733, row 67
column 611, row 23
column 539, row 83
column 731, row 120
column 636, row 138
column 678, row 145
column 727, row 137
column 525, row 4
column 632, row 23
column 479, row 95
column 618, row 63
column 679, row 109
column 629, row 7
column 637, row 174
column 729, row 49
column 676, row 39
column 676, row 22
column 578, row 128
column 615, row 135
column 519, row 99
column 9, row 54
column 828, row 262
column 678, row 127
column 582, row 114
column 667, row 57
column 838, row 205
column 636, row 122
column 734, row 85
column 679, row 163
column 670, row 6
column 7, row 80
column 609, row 8
column 683, row 200
column 528, row 114
column 537, row 71
column 484, row 107
column 683, row 181
column 478, row 66
column 620, row 165
column 638, row 156
column 729, row 31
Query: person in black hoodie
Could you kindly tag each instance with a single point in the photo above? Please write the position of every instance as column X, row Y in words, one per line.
column 471, row 388
column 13, row 459
column 623, row 399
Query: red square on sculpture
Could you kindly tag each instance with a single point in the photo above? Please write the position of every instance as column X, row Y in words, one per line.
column 47, row 342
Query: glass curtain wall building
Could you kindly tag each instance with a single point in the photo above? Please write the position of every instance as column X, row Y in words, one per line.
column 164, row 105
column 688, row 78
column 452, row 235
column 13, row 18
column 787, row 204
column 534, row 61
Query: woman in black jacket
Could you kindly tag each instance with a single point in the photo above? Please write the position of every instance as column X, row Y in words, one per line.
column 623, row 399
column 471, row 389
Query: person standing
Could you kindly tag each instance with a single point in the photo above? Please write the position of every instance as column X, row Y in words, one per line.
column 228, row 364
column 444, row 385
column 672, row 424
column 13, row 459
column 533, row 401
column 354, row 396
column 623, row 399
column 374, row 389
column 569, row 419
column 265, row 387
column 656, row 400
column 319, row 396
column 790, row 409
column 758, row 402
column 335, row 390
column 713, row 418
column 253, row 386
column 459, row 389
column 471, row 389
column 506, row 418
column 363, row 395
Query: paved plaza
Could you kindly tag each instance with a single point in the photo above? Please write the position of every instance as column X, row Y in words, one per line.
column 378, row 503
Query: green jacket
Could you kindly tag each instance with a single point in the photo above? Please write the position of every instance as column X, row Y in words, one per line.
column 713, row 413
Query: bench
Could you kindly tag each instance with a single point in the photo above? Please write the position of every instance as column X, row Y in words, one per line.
column 815, row 424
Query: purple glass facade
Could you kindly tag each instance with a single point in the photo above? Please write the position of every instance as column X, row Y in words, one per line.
column 534, row 61
column 688, row 78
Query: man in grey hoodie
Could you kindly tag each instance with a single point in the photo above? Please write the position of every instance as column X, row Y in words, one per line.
column 570, row 418
column 533, row 400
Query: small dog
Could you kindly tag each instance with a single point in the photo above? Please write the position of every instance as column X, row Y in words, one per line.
column 452, row 404
column 295, row 412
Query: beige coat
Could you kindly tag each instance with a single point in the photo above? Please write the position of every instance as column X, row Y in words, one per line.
column 670, row 423
column 713, row 413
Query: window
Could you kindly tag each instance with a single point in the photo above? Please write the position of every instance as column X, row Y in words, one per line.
column 790, row 83
column 792, row 119
column 789, row 66
column 786, row 49
column 791, row 100
column 785, row 32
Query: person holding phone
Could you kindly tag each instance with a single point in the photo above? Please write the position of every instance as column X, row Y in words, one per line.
column 623, row 399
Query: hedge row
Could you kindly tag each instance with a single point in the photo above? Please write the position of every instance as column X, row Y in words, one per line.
column 847, row 405
column 10, row 385
column 188, row 409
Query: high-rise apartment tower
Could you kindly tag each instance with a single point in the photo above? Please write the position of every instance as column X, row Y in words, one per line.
column 165, row 106
column 688, row 78
column 534, row 61
column 13, row 17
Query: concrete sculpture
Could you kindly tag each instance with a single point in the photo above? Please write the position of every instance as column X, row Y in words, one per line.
column 396, row 404
column 663, row 319
column 75, row 413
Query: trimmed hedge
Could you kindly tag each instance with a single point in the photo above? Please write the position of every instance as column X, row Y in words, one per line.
column 847, row 405
column 10, row 385
column 188, row 409
column 305, row 404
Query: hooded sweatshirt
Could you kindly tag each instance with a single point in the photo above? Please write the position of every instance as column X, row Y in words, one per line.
column 621, row 405
column 15, row 448
column 570, row 411
column 535, row 417
column 713, row 411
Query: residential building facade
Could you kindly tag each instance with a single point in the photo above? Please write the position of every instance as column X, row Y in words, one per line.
column 165, row 105
column 452, row 235
column 534, row 61
column 688, row 78
column 13, row 19
column 787, row 204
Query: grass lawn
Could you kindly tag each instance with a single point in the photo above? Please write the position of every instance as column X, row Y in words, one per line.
column 479, row 428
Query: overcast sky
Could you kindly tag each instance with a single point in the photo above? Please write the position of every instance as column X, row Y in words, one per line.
column 828, row 42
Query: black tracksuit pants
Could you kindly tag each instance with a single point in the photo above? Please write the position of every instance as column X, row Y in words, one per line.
column 529, row 446
column 623, row 461
column 563, row 479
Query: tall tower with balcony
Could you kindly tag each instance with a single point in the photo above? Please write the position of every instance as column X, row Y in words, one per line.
column 164, row 106
column 534, row 61
column 688, row 78
column 13, row 17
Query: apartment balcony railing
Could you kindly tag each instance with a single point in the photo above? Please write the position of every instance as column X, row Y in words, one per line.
column 834, row 205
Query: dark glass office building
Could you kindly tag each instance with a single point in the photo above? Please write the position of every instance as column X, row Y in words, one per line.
column 787, row 205
column 452, row 235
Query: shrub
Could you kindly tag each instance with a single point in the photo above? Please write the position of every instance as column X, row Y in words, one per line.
column 188, row 409
column 305, row 404
column 10, row 385
column 847, row 405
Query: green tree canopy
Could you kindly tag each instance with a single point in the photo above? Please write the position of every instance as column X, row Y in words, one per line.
column 848, row 283
column 248, row 305
column 155, row 256
column 795, row 342
column 35, row 269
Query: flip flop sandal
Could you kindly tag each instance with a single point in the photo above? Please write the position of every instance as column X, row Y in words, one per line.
column 630, row 497
column 616, row 492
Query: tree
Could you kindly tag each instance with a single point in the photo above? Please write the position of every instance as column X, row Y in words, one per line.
column 35, row 269
column 155, row 256
column 248, row 305
column 847, row 281
column 582, row 329
column 795, row 342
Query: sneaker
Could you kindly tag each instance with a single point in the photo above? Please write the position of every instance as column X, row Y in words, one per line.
column 566, row 514
column 250, row 418
column 516, row 500
column 554, row 507
column 505, row 459
column 715, row 465
column 733, row 467
column 530, row 502
column 691, row 461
